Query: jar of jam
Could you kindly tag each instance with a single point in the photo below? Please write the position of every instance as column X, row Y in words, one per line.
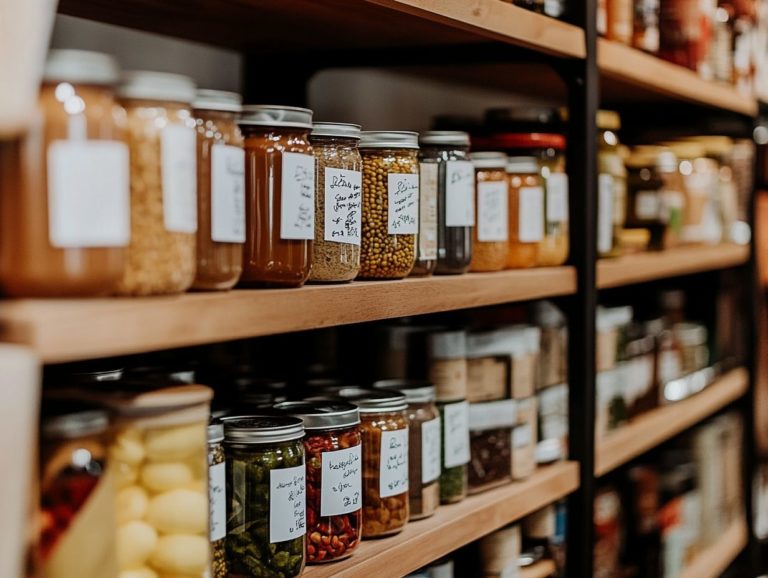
column 333, row 448
column 64, row 197
column 611, row 184
column 491, row 235
column 220, row 190
column 279, row 196
column 526, row 212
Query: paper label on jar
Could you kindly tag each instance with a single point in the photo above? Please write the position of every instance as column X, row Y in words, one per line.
column 459, row 194
column 179, row 168
column 227, row 194
column 287, row 504
column 428, row 211
column 492, row 211
column 403, row 203
column 88, row 194
column 604, row 213
column 218, row 501
column 647, row 205
column 341, row 482
column 430, row 450
column 557, row 198
column 456, row 434
column 343, row 205
column 531, row 214
column 297, row 215
column 522, row 436
column 393, row 469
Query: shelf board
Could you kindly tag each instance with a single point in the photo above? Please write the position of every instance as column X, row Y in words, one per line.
column 631, row 74
column 74, row 329
column 541, row 569
column 659, row 425
column 671, row 263
column 454, row 526
column 713, row 561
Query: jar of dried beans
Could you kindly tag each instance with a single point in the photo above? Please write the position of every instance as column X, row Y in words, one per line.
column 491, row 235
column 217, row 495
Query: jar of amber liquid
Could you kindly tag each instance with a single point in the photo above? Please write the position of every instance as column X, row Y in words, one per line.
column 526, row 212
column 491, row 235
column 279, row 196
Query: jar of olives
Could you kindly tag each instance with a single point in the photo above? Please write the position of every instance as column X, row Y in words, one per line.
column 266, row 496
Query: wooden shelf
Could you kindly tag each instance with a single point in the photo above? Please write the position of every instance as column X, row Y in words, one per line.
column 454, row 526
column 542, row 569
column 68, row 329
column 672, row 263
column 713, row 561
column 630, row 74
column 659, row 425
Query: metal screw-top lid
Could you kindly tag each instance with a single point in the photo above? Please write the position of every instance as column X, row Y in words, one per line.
column 389, row 139
column 215, row 432
column 488, row 160
column 75, row 425
column 219, row 100
column 262, row 429
column 322, row 414
column 415, row 390
column 275, row 115
column 81, row 67
column 444, row 138
column 522, row 166
column 336, row 129
column 370, row 400
column 151, row 85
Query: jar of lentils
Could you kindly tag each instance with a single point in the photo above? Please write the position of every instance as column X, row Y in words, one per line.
column 338, row 202
column 333, row 446
column 217, row 524
column 491, row 235
column 390, row 204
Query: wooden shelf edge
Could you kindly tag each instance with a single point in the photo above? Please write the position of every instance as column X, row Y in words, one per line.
column 541, row 569
column 454, row 526
column 713, row 561
column 659, row 425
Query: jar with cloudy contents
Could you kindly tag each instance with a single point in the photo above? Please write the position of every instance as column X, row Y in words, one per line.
column 491, row 235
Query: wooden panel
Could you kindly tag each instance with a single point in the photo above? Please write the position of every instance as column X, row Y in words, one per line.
column 659, row 425
column 67, row 330
column 713, row 561
column 543, row 569
column 453, row 526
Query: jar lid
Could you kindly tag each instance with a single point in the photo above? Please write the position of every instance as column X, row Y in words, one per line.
column 447, row 344
column 140, row 398
column 81, row 66
column 380, row 139
column 444, row 138
column 608, row 120
column 322, row 414
column 336, row 129
column 372, row 400
column 488, row 160
column 523, row 114
column 94, row 377
column 215, row 432
column 275, row 115
column 415, row 390
column 151, row 85
column 522, row 165
column 75, row 425
column 262, row 429
column 220, row 100
column 160, row 376
column 523, row 140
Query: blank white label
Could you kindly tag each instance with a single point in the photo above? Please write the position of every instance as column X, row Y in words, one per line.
column 218, row 501
column 428, row 211
column 557, row 198
column 88, row 194
column 456, row 434
column 403, row 206
column 522, row 436
column 604, row 213
column 343, row 205
column 287, row 504
column 297, row 217
column 393, row 470
column 227, row 194
column 492, row 211
column 459, row 194
column 430, row 450
column 179, row 168
column 341, row 482
column 531, row 214
column 647, row 205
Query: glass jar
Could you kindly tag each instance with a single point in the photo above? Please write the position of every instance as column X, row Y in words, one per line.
column 217, row 498
column 426, row 250
column 390, row 204
column 611, row 184
column 620, row 20
column 64, row 200
column 645, row 195
column 334, row 477
column 645, row 30
column 220, row 190
column 682, row 31
column 447, row 363
column 449, row 150
column 423, row 444
column 491, row 235
column 490, row 431
column 691, row 339
column 338, row 202
column 279, row 196
column 454, row 417
column 526, row 212
column 266, row 496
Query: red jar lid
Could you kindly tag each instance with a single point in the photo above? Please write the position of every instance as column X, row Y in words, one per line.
column 524, row 140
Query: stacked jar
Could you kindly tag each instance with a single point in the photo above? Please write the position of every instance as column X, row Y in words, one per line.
column 491, row 235
column 526, row 212
column 611, row 185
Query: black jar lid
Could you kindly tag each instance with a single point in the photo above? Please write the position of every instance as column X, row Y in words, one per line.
column 262, row 429
column 321, row 414
column 369, row 400
column 76, row 424
column 415, row 390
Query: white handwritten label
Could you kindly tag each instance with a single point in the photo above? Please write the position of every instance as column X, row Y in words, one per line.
column 218, row 501
column 492, row 211
column 287, row 504
column 557, row 198
column 393, row 470
column 227, row 194
column 428, row 211
column 604, row 213
column 343, row 205
column 647, row 205
column 297, row 217
column 403, row 206
column 456, row 434
column 531, row 214
column 179, row 172
column 341, row 491
column 459, row 194
column 88, row 194
column 430, row 450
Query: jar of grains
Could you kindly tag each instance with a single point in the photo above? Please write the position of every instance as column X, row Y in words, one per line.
column 163, row 144
column 334, row 477
column 217, row 495
column 491, row 235
column 266, row 496
column 390, row 204
column 220, row 190
column 279, row 196
column 526, row 212
column 338, row 202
